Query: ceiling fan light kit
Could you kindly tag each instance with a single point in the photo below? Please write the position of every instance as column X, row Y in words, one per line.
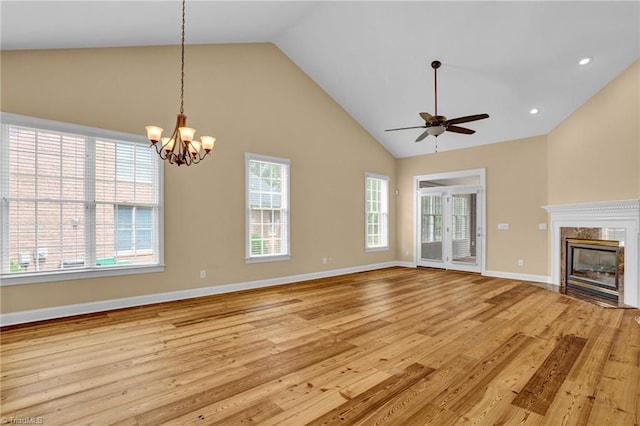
column 436, row 130
column 435, row 124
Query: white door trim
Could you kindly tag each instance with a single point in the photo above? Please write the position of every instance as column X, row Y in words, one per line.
column 481, row 174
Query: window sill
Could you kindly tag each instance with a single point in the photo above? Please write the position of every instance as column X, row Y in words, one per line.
column 373, row 249
column 34, row 278
column 267, row 259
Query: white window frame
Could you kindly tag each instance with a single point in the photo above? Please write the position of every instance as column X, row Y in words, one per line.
column 91, row 134
column 286, row 229
column 385, row 212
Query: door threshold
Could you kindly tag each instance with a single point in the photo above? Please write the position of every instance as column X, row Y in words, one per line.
column 449, row 270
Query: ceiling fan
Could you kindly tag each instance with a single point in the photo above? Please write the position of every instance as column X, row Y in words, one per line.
column 438, row 124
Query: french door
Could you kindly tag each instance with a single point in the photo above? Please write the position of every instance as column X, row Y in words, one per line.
column 450, row 228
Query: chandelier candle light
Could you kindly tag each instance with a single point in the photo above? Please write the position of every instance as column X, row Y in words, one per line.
column 180, row 148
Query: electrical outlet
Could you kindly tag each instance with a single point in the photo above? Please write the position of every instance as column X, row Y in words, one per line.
column 503, row 226
column 324, row 260
column 520, row 262
column 203, row 274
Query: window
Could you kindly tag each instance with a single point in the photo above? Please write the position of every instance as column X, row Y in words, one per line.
column 267, row 216
column 377, row 212
column 76, row 202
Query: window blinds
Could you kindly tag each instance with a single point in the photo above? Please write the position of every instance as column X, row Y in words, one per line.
column 60, row 194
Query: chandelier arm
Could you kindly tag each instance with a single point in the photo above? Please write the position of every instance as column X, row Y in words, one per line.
column 186, row 157
column 173, row 158
column 163, row 155
column 196, row 158
column 158, row 150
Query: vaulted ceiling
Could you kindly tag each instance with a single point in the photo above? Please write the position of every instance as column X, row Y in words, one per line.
column 373, row 57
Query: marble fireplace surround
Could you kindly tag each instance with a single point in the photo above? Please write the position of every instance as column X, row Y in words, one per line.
column 606, row 214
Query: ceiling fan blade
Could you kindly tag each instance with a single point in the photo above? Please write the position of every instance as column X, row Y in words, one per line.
column 423, row 135
column 406, row 128
column 427, row 117
column 458, row 129
column 467, row 118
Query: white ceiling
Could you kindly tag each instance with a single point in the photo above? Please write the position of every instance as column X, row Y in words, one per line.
column 373, row 57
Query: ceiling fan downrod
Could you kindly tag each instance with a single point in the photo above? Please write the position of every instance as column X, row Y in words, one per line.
column 435, row 65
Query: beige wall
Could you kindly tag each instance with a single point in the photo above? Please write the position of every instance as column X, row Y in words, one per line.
column 594, row 155
column 253, row 99
column 516, row 182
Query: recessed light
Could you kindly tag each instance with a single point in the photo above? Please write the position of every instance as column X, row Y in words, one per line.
column 585, row 60
column 534, row 111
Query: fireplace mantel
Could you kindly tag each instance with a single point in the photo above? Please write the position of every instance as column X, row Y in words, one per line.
column 606, row 207
column 605, row 214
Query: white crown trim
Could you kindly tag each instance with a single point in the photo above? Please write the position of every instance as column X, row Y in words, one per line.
column 599, row 206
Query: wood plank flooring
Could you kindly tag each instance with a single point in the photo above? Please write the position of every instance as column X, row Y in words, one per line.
column 396, row 346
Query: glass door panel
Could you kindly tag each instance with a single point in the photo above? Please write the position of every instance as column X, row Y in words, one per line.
column 431, row 227
column 463, row 227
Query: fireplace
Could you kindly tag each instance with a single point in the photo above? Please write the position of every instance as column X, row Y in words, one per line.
column 592, row 268
column 617, row 221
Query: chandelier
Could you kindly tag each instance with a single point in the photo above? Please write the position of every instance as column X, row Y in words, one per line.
column 180, row 148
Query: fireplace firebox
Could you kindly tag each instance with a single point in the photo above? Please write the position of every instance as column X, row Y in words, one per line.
column 592, row 267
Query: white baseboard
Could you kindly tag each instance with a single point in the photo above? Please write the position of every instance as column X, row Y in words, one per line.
column 21, row 317
column 522, row 277
column 406, row 264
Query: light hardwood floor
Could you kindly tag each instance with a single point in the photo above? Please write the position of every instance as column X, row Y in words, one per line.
column 396, row 346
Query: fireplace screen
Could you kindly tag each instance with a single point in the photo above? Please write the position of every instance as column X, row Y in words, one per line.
column 593, row 266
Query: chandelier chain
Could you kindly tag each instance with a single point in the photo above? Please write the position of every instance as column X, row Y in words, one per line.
column 182, row 61
column 180, row 148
